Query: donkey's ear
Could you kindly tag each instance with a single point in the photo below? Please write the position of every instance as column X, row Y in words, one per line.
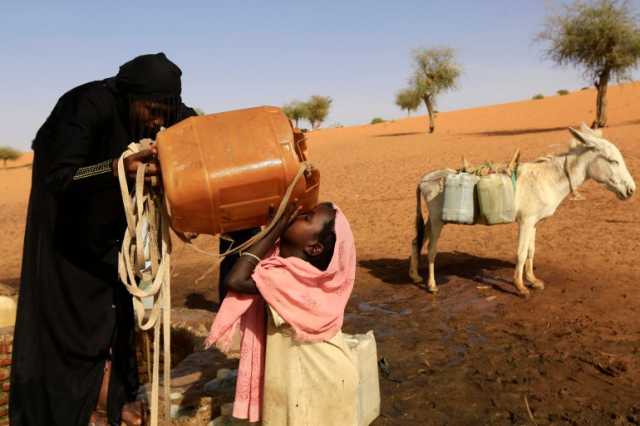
column 578, row 135
column 583, row 138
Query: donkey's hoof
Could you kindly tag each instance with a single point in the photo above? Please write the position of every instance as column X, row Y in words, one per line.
column 432, row 289
column 524, row 293
column 537, row 284
column 417, row 279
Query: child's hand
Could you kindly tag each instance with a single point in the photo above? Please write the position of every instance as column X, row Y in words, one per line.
column 190, row 235
column 289, row 215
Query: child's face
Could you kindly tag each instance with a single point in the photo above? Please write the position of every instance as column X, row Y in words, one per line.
column 304, row 230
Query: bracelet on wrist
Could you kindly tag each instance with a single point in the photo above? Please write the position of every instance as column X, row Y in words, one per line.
column 251, row 255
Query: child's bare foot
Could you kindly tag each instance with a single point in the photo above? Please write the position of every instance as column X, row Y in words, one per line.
column 98, row 418
column 133, row 413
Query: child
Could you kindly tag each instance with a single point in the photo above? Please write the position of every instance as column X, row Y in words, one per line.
column 304, row 270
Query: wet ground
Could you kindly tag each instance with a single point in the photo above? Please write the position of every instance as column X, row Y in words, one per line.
column 478, row 354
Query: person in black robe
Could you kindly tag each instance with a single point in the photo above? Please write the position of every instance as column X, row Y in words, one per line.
column 74, row 334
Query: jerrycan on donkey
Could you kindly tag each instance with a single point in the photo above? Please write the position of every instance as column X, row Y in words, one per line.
column 459, row 198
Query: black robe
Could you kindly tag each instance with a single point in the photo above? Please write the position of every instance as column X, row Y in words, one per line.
column 73, row 312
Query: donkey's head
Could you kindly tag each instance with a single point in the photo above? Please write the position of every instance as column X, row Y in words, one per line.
column 608, row 167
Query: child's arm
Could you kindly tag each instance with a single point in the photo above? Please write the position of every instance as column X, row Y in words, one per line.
column 239, row 278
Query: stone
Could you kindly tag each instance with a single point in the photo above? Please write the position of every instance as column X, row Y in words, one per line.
column 227, row 409
column 223, row 373
column 228, row 421
column 197, row 321
column 178, row 410
column 225, row 382
column 192, row 369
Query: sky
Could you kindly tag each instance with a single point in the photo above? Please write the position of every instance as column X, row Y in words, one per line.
column 238, row 54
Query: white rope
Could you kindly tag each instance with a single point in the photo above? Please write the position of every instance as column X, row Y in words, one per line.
column 148, row 263
column 142, row 261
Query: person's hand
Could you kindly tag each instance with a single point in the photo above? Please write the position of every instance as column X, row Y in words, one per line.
column 132, row 162
column 261, row 247
column 288, row 216
column 190, row 235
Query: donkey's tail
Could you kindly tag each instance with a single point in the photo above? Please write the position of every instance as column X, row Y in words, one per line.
column 419, row 219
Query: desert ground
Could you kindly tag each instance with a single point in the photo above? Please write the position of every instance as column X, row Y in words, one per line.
column 475, row 353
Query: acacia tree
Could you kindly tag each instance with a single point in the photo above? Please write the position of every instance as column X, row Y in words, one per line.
column 318, row 109
column 435, row 71
column 408, row 99
column 600, row 37
column 296, row 111
column 7, row 153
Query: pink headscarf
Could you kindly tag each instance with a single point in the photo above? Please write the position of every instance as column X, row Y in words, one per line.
column 311, row 301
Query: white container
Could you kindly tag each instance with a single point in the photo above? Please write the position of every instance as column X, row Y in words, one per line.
column 459, row 198
column 496, row 198
column 365, row 354
column 8, row 311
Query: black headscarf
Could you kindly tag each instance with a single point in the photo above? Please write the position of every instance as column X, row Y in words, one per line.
column 152, row 78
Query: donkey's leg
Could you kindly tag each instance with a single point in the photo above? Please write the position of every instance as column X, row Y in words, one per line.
column 435, row 229
column 416, row 248
column 524, row 236
column 535, row 282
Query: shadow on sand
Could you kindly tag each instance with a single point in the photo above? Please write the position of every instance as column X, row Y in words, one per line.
column 390, row 135
column 516, row 132
column 625, row 123
column 448, row 265
column 198, row 301
column 23, row 166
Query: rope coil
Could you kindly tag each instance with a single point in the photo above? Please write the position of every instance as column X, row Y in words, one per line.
column 148, row 261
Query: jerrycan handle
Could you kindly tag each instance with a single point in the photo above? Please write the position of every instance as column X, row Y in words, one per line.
column 300, row 144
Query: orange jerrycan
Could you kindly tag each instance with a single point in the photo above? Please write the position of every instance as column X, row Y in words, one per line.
column 222, row 172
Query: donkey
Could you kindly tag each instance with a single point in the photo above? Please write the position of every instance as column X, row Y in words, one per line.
column 541, row 186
